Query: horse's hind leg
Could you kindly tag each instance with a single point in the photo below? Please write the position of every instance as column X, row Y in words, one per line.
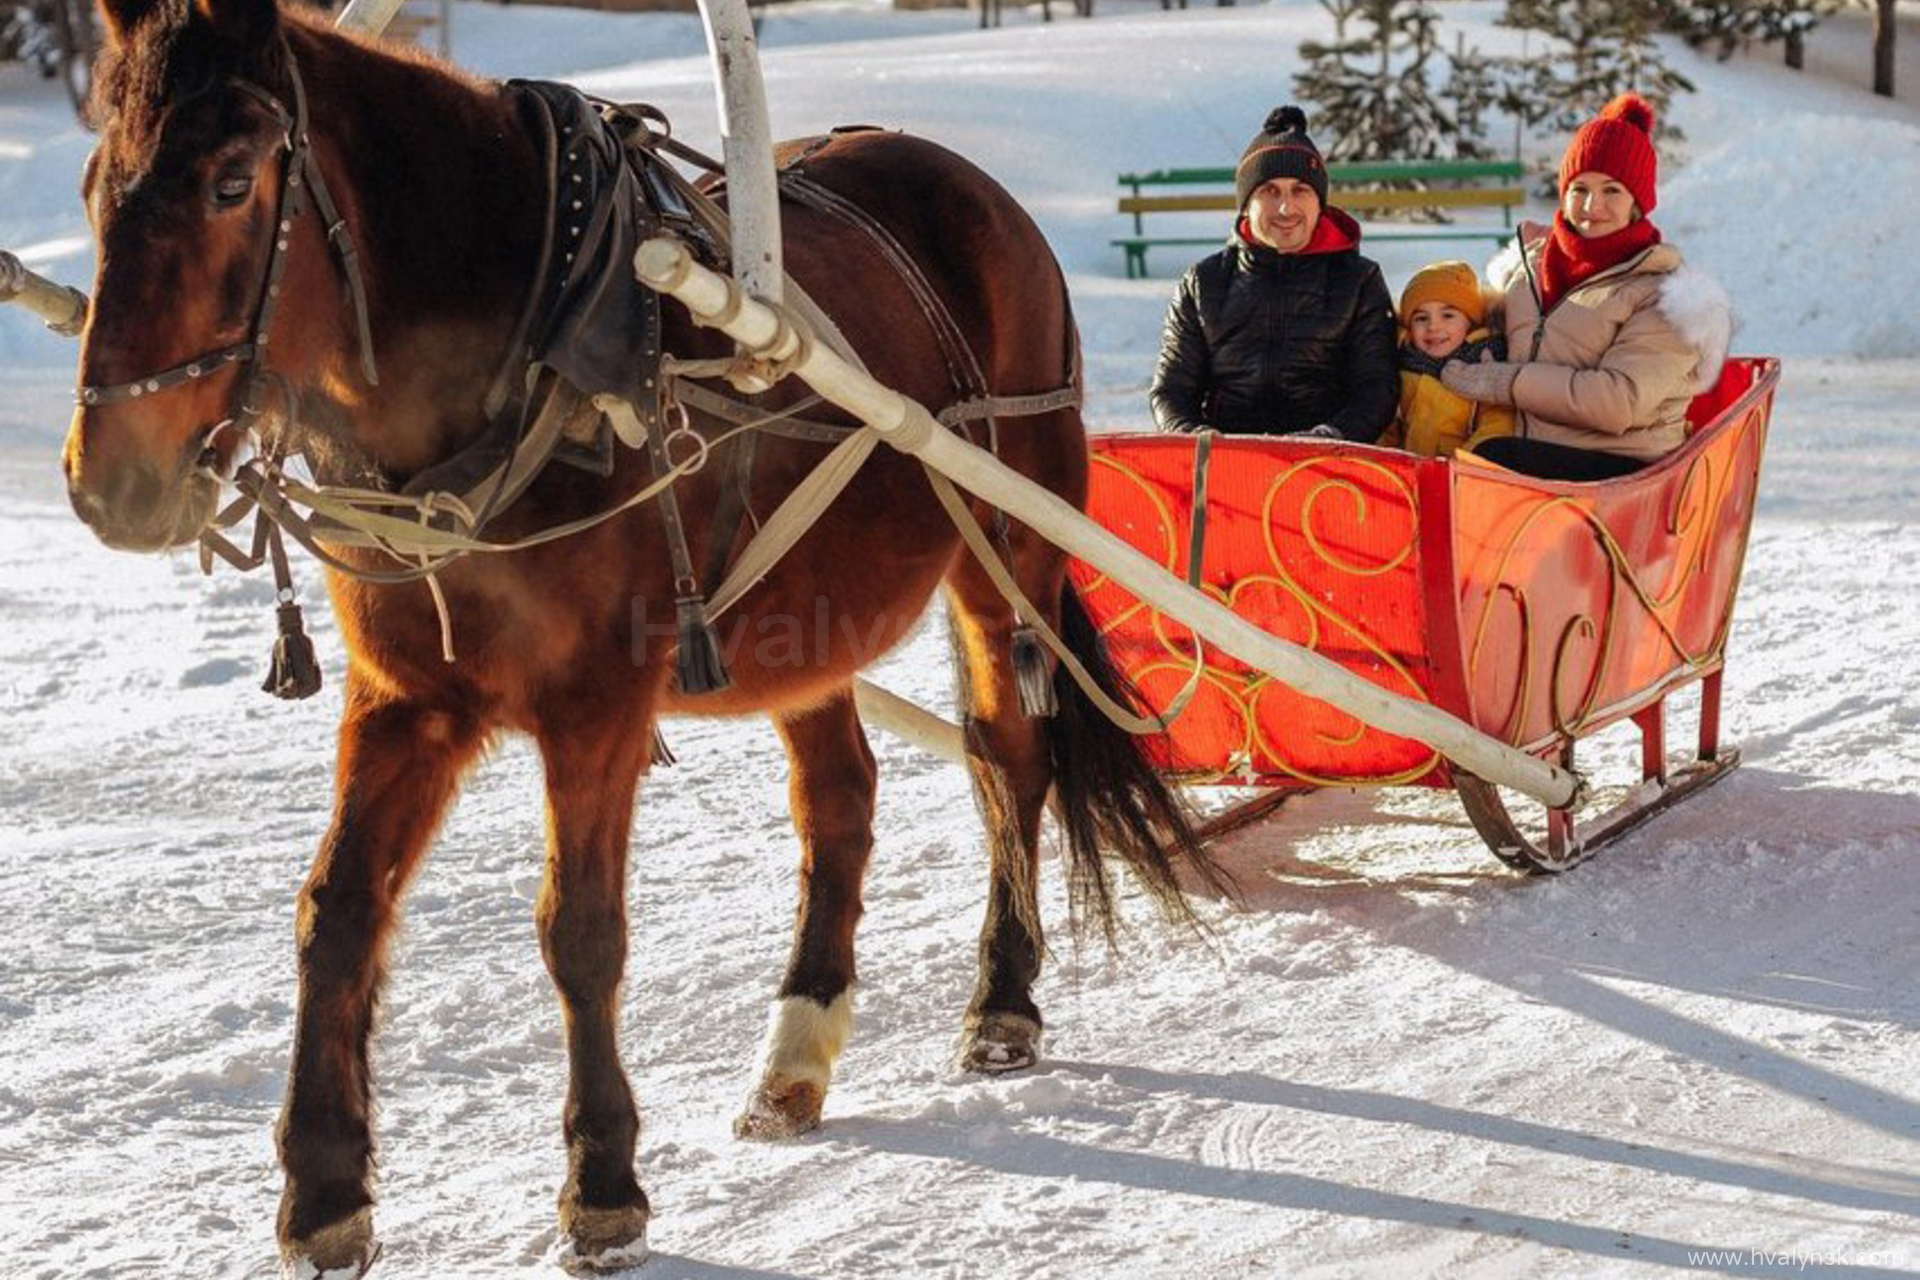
column 1008, row 758
column 593, row 767
column 398, row 765
column 831, row 794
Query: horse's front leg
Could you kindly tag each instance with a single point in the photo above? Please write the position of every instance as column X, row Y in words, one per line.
column 593, row 771
column 398, row 766
column 831, row 793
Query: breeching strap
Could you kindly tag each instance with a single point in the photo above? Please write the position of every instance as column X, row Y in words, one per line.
column 1124, row 717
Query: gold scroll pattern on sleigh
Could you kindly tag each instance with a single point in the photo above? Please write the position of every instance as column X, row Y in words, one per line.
column 1537, row 611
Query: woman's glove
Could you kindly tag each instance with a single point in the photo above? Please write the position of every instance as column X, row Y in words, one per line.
column 1489, row 382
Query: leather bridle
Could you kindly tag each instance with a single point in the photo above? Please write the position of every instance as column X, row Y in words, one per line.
column 298, row 173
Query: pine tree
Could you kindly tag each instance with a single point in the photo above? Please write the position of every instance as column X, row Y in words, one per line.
column 1477, row 86
column 22, row 35
column 1729, row 25
column 1369, row 88
column 1601, row 48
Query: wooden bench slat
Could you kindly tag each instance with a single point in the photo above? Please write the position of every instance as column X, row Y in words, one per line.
column 1480, row 198
column 1209, row 201
column 1136, row 247
column 1367, row 235
column 1346, row 171
column 1349, row 190
column 1203, row 202
column 1437, row 170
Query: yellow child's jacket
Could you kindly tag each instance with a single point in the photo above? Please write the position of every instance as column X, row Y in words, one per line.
column 1433, row 421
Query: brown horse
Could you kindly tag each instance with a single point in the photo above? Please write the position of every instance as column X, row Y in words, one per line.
column 441, row 183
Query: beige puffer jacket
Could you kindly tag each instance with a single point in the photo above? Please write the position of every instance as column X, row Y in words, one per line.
column 1614, row 363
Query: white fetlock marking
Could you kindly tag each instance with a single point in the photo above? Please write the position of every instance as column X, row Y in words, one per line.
column 357, row 1229
column 568, row 1256
column 804, row 1040
column 303, row 1269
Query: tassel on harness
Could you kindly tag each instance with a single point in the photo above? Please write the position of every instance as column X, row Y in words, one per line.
column 698, row 667
column 294, row 672
column 1033, row 676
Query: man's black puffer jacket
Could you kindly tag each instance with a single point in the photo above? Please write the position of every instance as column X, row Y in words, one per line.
column 1259, row 342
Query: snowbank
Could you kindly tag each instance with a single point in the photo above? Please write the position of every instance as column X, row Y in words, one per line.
column 1818, row 261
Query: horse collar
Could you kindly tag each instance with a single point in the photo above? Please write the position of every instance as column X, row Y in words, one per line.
column 298, row 172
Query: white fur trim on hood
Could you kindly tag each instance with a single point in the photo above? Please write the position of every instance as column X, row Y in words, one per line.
column 1695, row 304
column 1505, row 265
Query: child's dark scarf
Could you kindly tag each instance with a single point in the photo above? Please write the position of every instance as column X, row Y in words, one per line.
column 1472, row 351
column 1570, row 258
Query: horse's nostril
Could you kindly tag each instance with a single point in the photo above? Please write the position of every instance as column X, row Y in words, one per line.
column 133, row 491
column 128, row 507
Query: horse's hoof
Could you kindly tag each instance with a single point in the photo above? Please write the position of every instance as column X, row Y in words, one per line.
column 343, row 1250
column 780, row 1111
column 1001, row 1042
column 597, row 1240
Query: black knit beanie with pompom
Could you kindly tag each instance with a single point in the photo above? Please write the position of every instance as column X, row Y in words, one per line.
column 1281, row 149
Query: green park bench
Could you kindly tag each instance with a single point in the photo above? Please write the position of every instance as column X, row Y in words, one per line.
column 1465, row 184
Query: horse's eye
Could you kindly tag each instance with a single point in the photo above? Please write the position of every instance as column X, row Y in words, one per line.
column 230, row 189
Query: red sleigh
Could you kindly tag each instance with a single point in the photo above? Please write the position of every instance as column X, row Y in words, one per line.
column 1538, row 611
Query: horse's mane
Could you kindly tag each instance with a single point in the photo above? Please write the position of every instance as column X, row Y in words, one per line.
column 165, row 60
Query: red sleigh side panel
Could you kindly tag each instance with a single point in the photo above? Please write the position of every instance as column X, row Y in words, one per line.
column 1535, row 609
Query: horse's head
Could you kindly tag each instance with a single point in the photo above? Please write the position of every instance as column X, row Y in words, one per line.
column 196, row 102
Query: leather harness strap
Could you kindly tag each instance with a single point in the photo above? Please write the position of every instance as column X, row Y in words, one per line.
column 427, row 526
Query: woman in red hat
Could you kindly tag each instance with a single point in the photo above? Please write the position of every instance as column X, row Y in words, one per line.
column 1609, row 335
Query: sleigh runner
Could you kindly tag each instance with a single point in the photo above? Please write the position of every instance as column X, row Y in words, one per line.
column 1537, row 611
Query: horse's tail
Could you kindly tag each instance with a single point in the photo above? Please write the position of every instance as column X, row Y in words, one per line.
column 1107, row 794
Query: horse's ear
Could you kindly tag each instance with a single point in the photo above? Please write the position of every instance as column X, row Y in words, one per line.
column 245, row 22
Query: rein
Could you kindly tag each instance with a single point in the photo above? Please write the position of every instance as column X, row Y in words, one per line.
column 426, row 527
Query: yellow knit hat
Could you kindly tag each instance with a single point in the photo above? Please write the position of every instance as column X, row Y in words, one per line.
column 1454, row 283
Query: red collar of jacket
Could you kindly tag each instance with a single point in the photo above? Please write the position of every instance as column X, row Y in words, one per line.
column 1336, row 232
column 1571, row 259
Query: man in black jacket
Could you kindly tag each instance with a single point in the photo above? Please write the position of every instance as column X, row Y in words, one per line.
column 1287, row 330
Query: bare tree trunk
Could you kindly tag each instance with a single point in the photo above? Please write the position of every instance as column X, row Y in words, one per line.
column 1796, row 50
column 1883, row 24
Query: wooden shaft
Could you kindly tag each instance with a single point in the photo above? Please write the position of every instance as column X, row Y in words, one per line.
column 665, row 265
column 62, row 307
column 369, row 17
column 910, row 722
column 746, row 140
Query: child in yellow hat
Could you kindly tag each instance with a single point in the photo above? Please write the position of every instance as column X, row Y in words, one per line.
column 1443, row 316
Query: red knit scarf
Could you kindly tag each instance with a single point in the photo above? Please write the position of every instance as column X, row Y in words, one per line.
column 1334, row 232
column 1571, row 258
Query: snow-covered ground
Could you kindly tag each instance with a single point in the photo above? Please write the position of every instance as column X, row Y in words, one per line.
column 1696, row 1054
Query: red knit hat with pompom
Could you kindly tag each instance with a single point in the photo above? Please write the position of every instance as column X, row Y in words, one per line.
column 1619, row 143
